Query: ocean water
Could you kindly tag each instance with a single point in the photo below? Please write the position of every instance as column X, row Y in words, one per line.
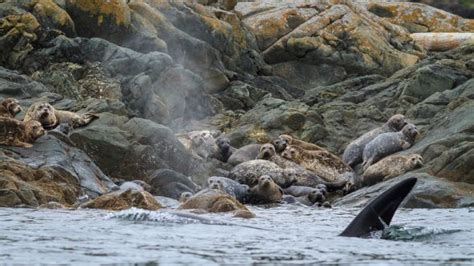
column 278, row 235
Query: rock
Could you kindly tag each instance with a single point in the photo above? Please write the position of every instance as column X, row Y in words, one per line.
column 123, row 199
column 50, row 152
column 336, row 34
column 17, row 33
column 132, row 149
column 34, row 186
column 418, row 17
column 51, row 16
column 168, row 183
column 429, row 192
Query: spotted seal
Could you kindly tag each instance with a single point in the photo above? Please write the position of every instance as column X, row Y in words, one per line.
column 214, row 200
column 18, row 133
column 389, row 167
column 265, row 191
column 389, row 143
column 229, row 186
column 324, row 164
column 244, row 154
column 249, row 172
column 9, row 107
column 49, row 117
column 353, row 153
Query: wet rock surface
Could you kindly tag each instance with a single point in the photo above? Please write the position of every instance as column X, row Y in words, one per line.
column 326, row 72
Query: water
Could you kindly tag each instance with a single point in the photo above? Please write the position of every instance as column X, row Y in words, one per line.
column 285, row 234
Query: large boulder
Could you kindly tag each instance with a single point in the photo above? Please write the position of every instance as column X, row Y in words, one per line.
column 417, row 17
column 49, row 151
column 24, row 185
column 334, row 33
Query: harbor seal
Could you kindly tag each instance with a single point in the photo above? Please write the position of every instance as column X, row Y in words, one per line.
column 313, row 197
column 266, row 191
column 249, row 172
column 389, row 143
column 244, row 154
column 185, row 196
column 354, row 151
column 9, row 107
column 224, row 149
column 268, row 152
column 229, row 186
column 49, row 117
column 18, row 133
column 390, row 167
column 285, row 140
column 298, row 191
column 323, row 163
column 213, row 200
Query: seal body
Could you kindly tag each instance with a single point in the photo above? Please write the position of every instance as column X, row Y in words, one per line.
column 224, row 149
column 265, row 191
column 229, row 186
column 249, row 172
column 314, row 196
column 389, row 143
column 49, row 117
column 213, row 200
column 18, row 133
column 300, row 143
column 298, row 191
column 244, row 154
column 353, row 154
column 323, row 163
column 390, row 167
column 9, row 107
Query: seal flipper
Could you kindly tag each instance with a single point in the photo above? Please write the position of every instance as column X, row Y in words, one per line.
column 379, row 213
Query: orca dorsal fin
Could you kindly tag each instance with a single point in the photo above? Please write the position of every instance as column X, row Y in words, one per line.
column 378, row 214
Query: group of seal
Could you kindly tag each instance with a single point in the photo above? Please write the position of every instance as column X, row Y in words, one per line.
column 291, row 170
column 39, row 117
column 372, row 148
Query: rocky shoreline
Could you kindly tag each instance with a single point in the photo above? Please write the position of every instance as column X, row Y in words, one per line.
column 323, row 71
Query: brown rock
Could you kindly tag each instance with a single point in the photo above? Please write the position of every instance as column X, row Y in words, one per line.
column 50, row 15
column 21, row 184
column 421, row 18
column 124, row 199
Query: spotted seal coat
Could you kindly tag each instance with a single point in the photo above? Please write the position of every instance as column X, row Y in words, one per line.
column 389, row 143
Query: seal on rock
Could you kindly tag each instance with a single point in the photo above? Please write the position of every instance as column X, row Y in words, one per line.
column 9, row 107
column 354, row 151
column 268, row 152
column 323, row 163
column 49, row 117
column 299, row 191
column 213, row 200
column 244, row 154
column 224, row 149
column 314, row 196
column 266, row 191
column 300, row 143
column 389, row 167
column 185, row 196
column 18, row 133
column 229, row 186
column 389, row 143
column 249, row 172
